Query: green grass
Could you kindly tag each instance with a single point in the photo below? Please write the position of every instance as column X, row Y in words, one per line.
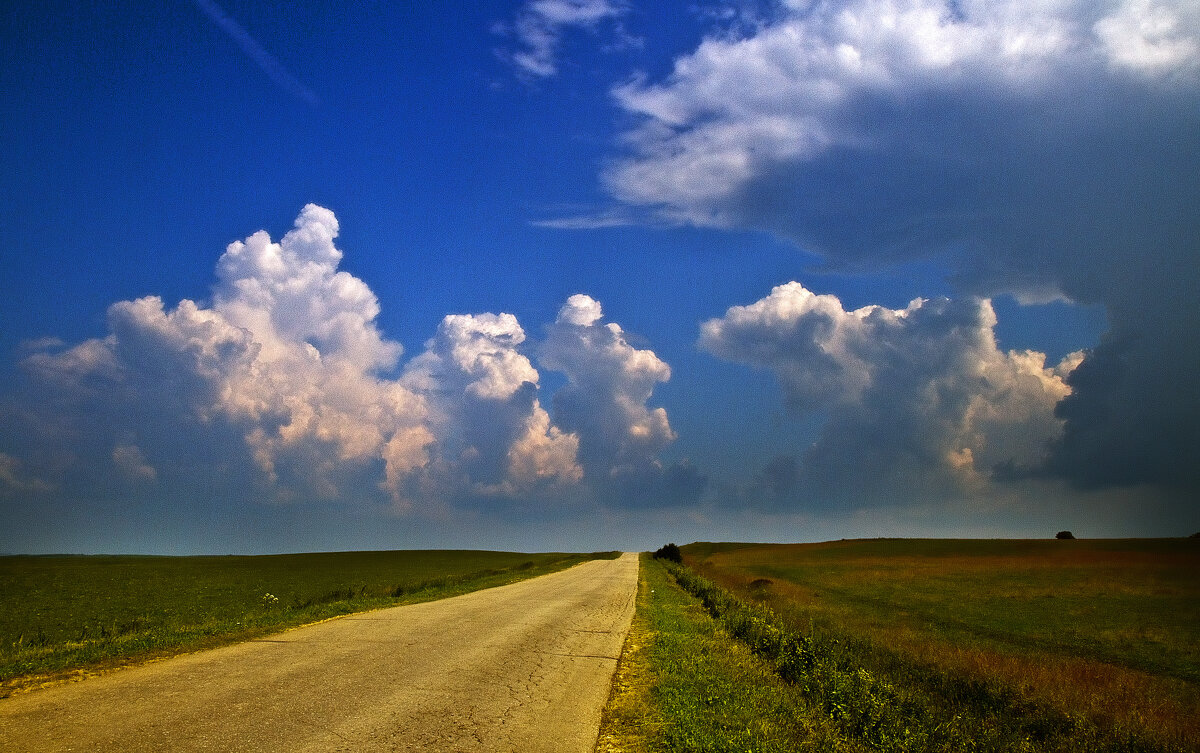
column 684, row 684
column 64, row 614
column 1133, row 603
column 1039, row 645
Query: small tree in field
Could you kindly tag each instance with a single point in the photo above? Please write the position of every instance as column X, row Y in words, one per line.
column 1064, row 535
column 669, row 552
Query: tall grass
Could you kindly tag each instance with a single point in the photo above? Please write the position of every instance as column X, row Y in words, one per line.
column 889, row 697
column 867, row 621
column 1107, row 631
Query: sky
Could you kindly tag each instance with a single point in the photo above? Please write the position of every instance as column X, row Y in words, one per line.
column 596, row 274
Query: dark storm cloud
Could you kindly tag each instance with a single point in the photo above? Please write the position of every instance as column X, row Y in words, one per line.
column 1048, row 151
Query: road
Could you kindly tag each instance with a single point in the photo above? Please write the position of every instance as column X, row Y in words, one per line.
column 524, row 667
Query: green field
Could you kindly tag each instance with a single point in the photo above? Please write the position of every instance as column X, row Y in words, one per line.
column 909, row 645
column 1132, row 604
column 75, row 614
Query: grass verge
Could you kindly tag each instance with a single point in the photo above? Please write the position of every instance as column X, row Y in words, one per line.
column 684, row 684
column 64, row 617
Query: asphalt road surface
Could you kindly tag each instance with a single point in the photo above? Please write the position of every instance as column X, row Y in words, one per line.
column 524, row 667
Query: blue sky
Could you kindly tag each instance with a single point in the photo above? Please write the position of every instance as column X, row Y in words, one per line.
column 589, row 274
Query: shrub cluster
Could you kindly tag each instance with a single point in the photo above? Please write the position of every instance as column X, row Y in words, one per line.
column 671, row 553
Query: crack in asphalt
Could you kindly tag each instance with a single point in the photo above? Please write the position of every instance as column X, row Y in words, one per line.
column 580, row 656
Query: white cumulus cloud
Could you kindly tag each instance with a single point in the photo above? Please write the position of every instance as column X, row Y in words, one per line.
column 609, row 385
column 284, row 389
column 1157, row 39
column 543, row 452
column 288, row 355
column 855, row 75
column 493, row 432
column 480, row 351
column 915, row 401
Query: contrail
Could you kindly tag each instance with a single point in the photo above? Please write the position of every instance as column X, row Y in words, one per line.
column 265, row 60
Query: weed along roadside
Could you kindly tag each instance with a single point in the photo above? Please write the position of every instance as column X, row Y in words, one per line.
column 67, row 617
column 708, row 669
column 683, row 684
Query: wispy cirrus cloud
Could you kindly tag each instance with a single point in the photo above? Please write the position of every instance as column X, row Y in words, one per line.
column 540, row 25
column 597, row 221
column 270, row 65
column 15, row 480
